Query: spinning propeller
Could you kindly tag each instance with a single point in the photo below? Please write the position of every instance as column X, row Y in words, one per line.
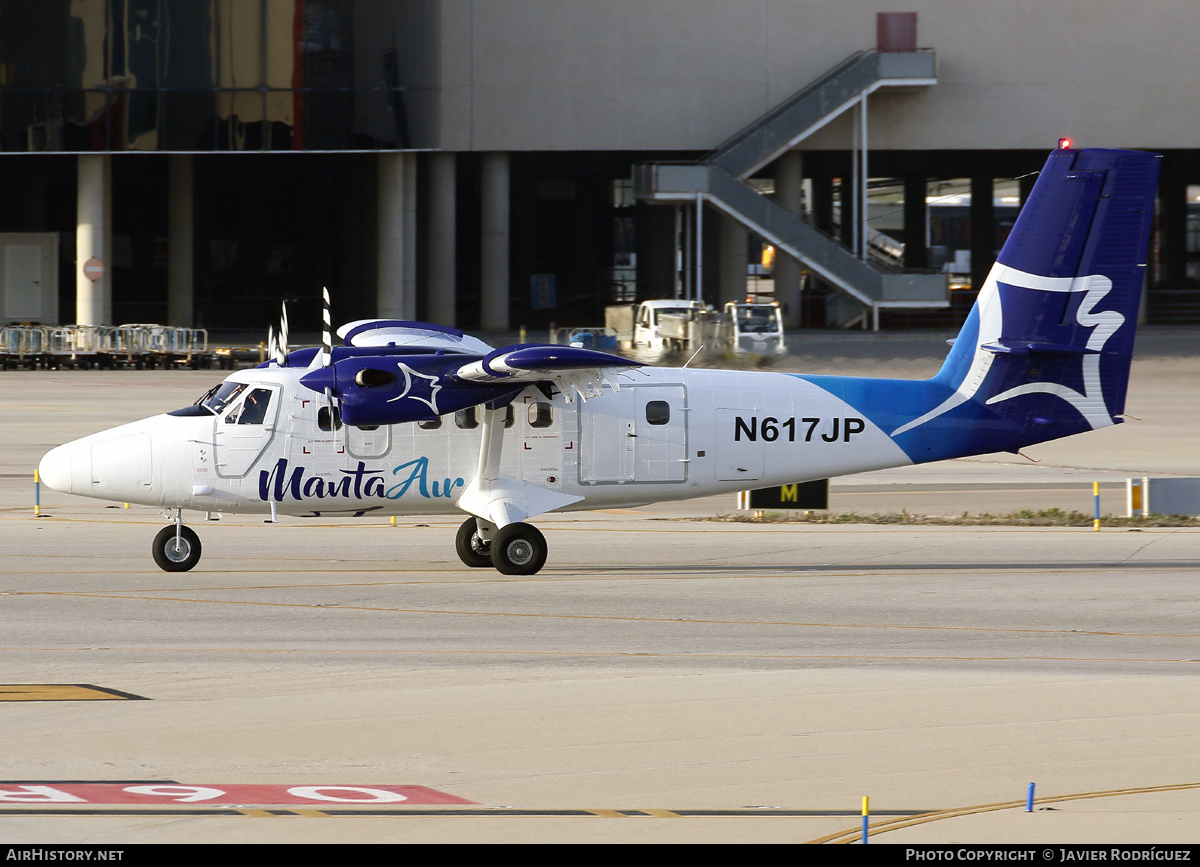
column 326, row 354
column 277, row 342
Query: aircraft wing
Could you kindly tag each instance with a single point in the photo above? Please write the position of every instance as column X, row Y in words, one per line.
column 573, row 369
column 415, row 372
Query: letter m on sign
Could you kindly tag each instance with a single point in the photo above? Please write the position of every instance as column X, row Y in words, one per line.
column 802, row 495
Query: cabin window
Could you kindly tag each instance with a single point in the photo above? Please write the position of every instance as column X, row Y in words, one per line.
column 328, row 418
column 658, row 412
column 466, row 419
column 430, row 424
column 541, row 414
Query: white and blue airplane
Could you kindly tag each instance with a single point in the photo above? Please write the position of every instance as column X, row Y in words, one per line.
column 409, row 418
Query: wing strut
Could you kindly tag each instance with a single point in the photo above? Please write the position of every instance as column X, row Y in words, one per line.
column 501, row 500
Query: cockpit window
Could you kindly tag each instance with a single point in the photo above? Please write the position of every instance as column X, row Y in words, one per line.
column 220, row 396
column 254, row 408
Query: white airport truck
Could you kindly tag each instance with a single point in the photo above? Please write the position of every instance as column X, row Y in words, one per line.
column 757, row 328
column 675, row 324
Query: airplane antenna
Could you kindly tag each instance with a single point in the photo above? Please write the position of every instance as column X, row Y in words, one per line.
column 694, row 354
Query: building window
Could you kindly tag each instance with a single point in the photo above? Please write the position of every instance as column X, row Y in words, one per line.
column 622, row 192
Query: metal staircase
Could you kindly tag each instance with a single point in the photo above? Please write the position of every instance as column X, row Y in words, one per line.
column 719, row 179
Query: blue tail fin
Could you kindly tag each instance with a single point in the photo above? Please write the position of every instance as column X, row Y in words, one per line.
column 1045, row 351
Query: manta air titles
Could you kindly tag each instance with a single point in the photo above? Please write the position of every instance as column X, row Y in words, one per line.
column 410, row 418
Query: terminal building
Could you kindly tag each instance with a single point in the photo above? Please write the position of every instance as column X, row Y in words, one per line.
column 492, row 164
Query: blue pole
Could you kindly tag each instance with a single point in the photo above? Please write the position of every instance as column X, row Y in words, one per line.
column 866, row 817
column 1029, row 800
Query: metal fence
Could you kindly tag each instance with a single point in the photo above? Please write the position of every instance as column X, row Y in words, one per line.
column 133, row 345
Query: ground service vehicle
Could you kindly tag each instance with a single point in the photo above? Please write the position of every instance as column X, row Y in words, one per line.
column 756, row 327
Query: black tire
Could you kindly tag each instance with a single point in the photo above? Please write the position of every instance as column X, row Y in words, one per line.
column 519, row 549
column 471, row 549
column 168, row 558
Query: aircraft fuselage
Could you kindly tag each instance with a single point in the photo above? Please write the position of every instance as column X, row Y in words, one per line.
column 668, row 434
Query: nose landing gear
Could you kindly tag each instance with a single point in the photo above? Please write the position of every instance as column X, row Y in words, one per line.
column 176, row 548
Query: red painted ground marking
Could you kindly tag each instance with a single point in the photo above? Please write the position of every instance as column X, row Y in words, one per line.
column 177, row 793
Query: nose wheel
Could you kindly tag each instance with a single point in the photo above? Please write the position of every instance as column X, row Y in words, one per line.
column 518, row 549
column 176, row 551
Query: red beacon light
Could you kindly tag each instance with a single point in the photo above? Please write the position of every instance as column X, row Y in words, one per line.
column 1064, row 144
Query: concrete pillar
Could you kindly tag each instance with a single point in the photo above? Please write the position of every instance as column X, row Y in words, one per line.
column 93, row 239
column 732, row 250
column 789, row 192
column 395, row 291
column 442, row 252
column 495, row 243
column 181, row 223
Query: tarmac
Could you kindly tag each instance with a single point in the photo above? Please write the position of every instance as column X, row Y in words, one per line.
column 661, row 680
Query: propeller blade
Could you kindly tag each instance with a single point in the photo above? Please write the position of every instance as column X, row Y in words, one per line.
column 326, row 332
column 281, row 347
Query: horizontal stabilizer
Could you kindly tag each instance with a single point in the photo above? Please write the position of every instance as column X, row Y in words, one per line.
column 1026, row 347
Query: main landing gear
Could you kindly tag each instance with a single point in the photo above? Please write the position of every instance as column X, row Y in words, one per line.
column 514, row 549
column 176, row 548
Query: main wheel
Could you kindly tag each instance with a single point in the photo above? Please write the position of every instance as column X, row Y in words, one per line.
column 471, row 549
column 518, row 549
column 171, row 557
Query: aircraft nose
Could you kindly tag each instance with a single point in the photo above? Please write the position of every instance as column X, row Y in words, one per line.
column 55, row 469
